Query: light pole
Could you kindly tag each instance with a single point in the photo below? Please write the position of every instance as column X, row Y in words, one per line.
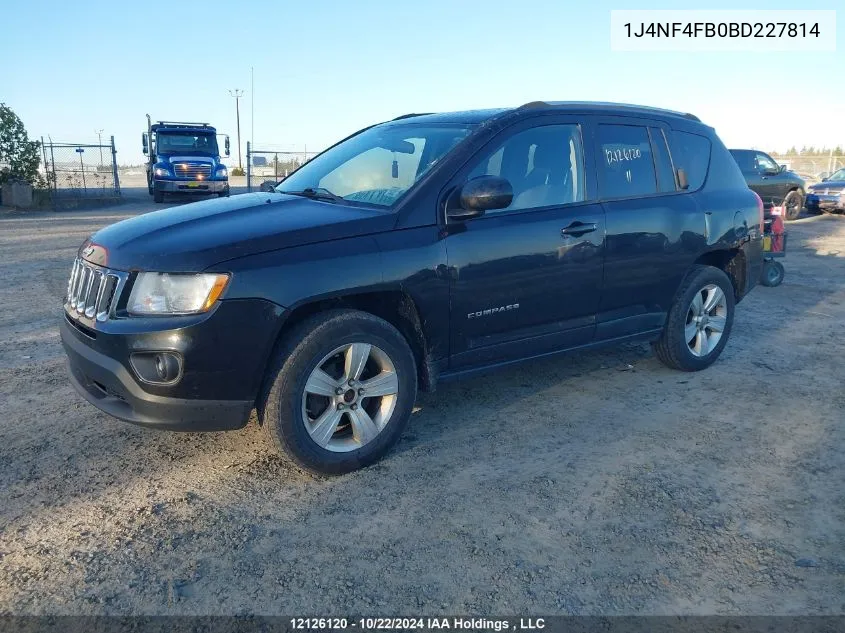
column 100, row 141
column 237, row 94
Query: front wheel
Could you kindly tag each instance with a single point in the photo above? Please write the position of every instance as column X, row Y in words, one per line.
column 793, row 204
column 339, row 391
column 158, row 196
column 699, row 322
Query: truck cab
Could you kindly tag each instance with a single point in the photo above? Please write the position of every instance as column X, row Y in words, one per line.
column 184, row 158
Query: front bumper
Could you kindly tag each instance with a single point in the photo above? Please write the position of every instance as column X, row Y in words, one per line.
column 825, row 202
column 223, row 358
column 191, row 186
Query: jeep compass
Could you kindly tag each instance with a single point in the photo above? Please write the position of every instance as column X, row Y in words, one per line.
column 417, row 250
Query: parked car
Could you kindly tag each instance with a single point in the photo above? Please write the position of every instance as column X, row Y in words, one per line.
column 775, row 184
column 828, row 195
column 418, row 250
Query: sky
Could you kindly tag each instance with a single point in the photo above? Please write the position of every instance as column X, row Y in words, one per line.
column 323, row 70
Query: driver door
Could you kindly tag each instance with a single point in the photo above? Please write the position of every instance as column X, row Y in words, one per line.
column 526, row 280
column 769, row 185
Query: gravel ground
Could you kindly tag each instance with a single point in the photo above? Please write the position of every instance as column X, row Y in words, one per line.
column 600, row 483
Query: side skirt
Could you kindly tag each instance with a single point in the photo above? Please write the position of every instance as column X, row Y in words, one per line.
column 650, row 335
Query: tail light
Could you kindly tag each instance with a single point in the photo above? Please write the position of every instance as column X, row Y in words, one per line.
column 760, row 209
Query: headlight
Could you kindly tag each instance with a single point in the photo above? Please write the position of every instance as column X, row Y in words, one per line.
column 162, row 171
column 221, row 172
column 166, row 293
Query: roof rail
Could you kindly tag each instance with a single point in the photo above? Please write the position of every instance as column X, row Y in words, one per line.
column 533, row 104
column 412, row 114
column 183, row 123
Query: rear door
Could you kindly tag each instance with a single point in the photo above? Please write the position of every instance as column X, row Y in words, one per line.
column 527, row 279
column 654, row 230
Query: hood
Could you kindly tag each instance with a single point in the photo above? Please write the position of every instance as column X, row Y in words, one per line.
column 192, row 237
column 833, row 185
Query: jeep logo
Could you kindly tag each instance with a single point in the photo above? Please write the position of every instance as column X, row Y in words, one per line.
column 489, row 311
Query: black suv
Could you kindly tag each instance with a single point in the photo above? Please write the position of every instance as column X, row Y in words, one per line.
column 420, row 249
column 775, row 184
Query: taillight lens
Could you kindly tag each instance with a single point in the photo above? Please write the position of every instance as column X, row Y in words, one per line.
column 760, row 208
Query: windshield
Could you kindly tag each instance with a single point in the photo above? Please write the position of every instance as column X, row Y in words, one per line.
column 837, row 175
column 186, row 143
column 378, row 165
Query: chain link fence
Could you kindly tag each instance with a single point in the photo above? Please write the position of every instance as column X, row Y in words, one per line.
column 272, row 163
column 80, row 170
column 811, row 168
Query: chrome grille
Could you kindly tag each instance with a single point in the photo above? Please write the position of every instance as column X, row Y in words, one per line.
column 91, row 290
column 196, row 171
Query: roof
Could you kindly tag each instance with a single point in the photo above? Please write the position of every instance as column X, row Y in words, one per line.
column 592, row 107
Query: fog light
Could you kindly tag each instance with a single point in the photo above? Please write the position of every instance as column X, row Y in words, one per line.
column 157, row 368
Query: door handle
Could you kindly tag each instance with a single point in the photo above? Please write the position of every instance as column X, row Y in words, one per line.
column 577, row 229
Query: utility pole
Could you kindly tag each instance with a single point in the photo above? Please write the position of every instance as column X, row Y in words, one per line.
column 237, row 94
column 100, row 141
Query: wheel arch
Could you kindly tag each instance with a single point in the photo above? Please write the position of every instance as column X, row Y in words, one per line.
column 395, row 306
column 732, row 262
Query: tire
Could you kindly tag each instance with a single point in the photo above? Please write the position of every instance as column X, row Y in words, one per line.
column 772, row 274
column 685, row 324
column 224, row 193
column 793, row 202
column 291, row 413
column 158, row 196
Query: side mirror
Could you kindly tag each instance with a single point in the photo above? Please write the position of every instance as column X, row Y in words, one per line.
column 226, row 145
column 782, row 169
column 478, row 195
column 824, row 179
column 145, row 143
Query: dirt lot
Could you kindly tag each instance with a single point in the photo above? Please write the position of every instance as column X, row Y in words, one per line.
column 602, row 483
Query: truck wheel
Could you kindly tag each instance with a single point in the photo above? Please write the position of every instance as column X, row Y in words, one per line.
column 772, row 274
column 699, row 322
column 793, row 203
column 339, row 391
column 158, row 196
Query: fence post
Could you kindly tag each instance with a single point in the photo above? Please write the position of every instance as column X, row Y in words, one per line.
column 248, row 167
column 114, row 167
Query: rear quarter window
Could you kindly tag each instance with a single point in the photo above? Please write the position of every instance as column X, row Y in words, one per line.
column 691, row 152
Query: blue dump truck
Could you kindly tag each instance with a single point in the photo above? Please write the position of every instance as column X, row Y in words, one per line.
column 184, row 158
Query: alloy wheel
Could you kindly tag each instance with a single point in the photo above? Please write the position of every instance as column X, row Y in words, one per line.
column 706, row 320
column 350, row 397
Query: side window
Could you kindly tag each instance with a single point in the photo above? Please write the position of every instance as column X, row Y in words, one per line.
column 662, row 160
column 625, row 163
column 545, row 166
column 744, row 159
column 691, row 153
column 765, row 163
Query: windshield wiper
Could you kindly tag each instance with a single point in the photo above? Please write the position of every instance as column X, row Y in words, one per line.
column 316, row 193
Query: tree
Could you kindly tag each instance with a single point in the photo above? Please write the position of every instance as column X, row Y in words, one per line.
column 19, row 157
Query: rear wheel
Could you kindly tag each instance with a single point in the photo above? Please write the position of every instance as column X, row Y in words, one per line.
column 793, row 204
column 699, row 322
column 339, row 392
column 773, row 273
